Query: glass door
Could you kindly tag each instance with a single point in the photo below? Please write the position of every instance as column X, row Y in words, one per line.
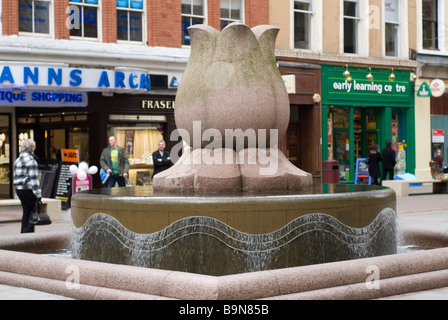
column 341, row 140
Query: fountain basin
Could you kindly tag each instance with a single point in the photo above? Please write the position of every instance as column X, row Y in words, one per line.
column 221, row 234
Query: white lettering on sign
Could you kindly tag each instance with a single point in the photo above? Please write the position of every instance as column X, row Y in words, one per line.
column 157, row 104
column 73, row 78
column 379, row 88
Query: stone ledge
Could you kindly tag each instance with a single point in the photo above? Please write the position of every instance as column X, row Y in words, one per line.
column 400, row 273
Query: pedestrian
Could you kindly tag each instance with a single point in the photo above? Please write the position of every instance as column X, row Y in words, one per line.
column 26, row 183
column 114, row 161
column 373, row 160
column 161, row 159
column 388, row 156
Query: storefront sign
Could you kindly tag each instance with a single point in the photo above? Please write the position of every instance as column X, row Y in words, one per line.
column 157, row 104
column 42, row 98
column 336, row 89
column 17, row 76
column 290, row 83
column 424, row 91
column 437, row 87
column 438, row 136
column 70, row 155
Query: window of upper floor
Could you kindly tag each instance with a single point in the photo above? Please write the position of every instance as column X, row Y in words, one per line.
column 306, row 24
column 35, row 17
column 392, row 27
column 84, row 15
column 351, row 26
column 231, row 11
column 303, row 11
column 430, row 24
column 130, row 20
column 193, row 12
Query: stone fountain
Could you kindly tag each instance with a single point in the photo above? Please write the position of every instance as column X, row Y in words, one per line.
column 232, row 203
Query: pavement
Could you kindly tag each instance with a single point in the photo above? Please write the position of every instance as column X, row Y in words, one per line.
column 429, row 210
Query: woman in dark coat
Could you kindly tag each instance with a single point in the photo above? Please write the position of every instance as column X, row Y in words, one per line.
column 373, row 160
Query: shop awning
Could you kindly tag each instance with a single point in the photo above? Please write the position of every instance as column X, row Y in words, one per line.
column 432, row 60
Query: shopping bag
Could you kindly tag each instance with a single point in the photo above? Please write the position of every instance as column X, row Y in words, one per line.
column 104, row 176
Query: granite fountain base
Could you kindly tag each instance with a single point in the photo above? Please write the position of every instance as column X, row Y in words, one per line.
column 222, row 234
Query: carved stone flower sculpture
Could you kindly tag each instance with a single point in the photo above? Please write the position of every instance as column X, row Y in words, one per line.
column 232, row 82
column 231, row 109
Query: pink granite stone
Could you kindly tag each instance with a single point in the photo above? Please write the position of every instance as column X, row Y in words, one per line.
column 232, row 97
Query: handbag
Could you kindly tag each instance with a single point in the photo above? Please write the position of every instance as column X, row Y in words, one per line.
column 103, row 174
column 37, row 217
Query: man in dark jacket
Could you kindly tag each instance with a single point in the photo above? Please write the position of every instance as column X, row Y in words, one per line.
column 161, row 159
column 388, row 156
column 114, row 161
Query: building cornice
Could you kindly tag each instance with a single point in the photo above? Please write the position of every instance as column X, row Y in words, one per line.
column 351, row 60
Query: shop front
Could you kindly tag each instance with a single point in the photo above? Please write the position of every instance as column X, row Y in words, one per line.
column 362, row 107
column 62, row 107
column 301, row 143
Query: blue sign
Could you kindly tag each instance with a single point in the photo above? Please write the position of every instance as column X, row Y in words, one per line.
column 86, row 79
column 92, row 1
column 137, row 4
column 122, row 3
column 43, row 98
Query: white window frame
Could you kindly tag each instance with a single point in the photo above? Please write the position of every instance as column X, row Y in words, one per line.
column 50, row 33
column 441, row 29
column 363, row 46
column 402, row 35
column 315, row 26
column 205, row 17
column 99, row 22
column 230, row 20
column 396, row 24
column 144, row 24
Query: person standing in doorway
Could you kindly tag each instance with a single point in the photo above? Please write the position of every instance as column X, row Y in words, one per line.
column 388, row 156
column 161, row 159
column 114, row 161
column 373, row 160
column 26, row 183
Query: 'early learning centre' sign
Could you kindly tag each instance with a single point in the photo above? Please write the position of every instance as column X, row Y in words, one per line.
column 338, row 89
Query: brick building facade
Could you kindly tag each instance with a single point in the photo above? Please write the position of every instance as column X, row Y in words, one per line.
column 82, row 39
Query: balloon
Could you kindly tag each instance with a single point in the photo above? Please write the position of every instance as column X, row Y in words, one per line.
column 73, row 169
column 92, row 170
column 81, row 175
column 83, row 166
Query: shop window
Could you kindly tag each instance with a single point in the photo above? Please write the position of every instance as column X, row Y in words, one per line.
column 34, row 16
column 139, row 143
column 78, row 138
column 351, row 26
column 193, row 12
column 25, row 135
column 302, row 24
column 391, row 27
column 5, row 163
column 84, row 18
column 130, row 16
column 231, row 11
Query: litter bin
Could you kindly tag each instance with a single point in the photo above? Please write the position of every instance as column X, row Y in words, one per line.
column 330, row 172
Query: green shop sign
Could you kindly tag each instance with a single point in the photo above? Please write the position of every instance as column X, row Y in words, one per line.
column 365, row 86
